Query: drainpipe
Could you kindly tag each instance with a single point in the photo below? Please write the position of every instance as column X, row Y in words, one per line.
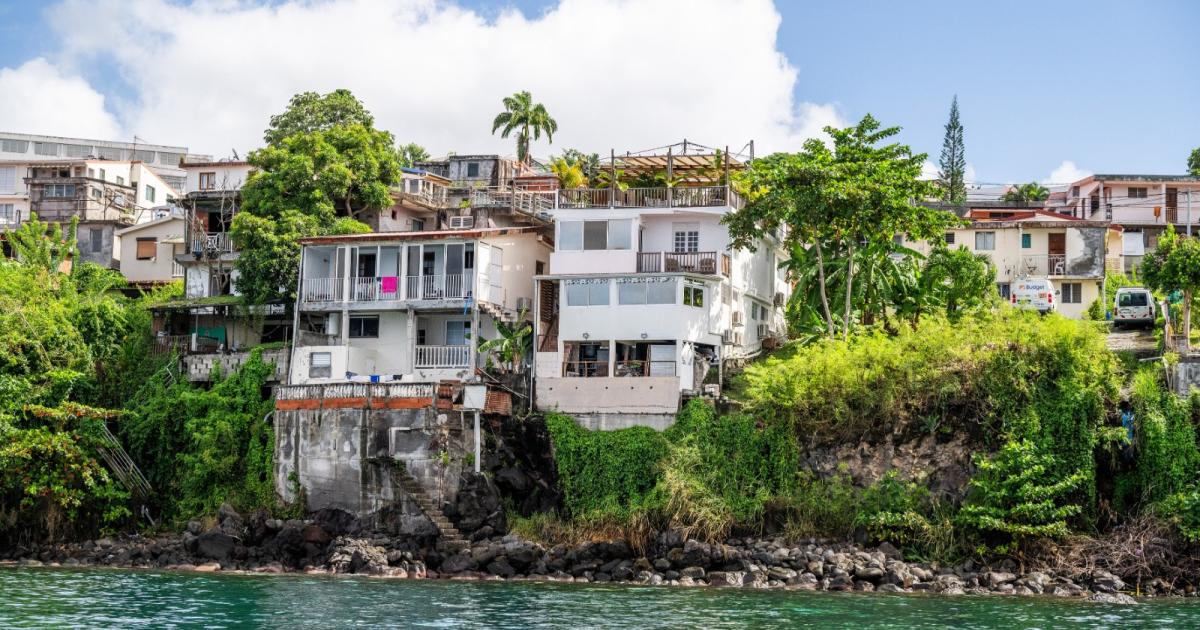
column 296, row 316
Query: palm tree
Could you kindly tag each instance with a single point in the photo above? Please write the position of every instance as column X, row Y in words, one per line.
column 525, row 117
column 569, row 175
column 1026, row 193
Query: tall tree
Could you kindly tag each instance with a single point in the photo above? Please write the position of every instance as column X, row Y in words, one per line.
column 321, row 177
column 1174, row 265
column 309, row 111
column 953, row 164
column 1193, row 162
column 530, row 120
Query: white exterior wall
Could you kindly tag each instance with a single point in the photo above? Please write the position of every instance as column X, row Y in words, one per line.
column 160, row 268
column 521, row 254
column 229, row 176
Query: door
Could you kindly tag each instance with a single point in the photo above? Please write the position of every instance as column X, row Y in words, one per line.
column 495, row 275
column 1056, row 262
column 1172, row 205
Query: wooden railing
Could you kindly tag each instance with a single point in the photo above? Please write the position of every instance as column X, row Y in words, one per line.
column 659, row 197
column 166, row 344
column 585, row 369
column 443, row 357
column 694, row 262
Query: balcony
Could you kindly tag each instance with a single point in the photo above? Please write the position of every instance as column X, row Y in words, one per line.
column 426, row 193
column 211, row 243
column 10, row 220
column 442, row 357
column 1044, row 265
column 387, row 288
column 693, row 262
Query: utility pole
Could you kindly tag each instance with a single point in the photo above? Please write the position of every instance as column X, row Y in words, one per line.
column 1189, row 211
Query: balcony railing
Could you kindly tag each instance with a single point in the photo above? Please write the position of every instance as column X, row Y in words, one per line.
column 453, row 286
column 167, row 344
column 211, row 242
column 1044, row 265
column 694, row 262
column 176, row 270
column 585, row 369
column 645, row 368
column 426, row 192
column 676, row 197
column 11, row 220
column 443, row 357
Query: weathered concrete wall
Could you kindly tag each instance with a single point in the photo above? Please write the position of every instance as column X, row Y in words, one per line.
column 609, row 395
column 199, row 367
column 1085, row 251
column 614, row 421
column 1185, row 375
column 330, row 453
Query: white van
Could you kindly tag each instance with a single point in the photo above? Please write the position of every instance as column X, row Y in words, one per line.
column 1034, row 293
column 1133, row 306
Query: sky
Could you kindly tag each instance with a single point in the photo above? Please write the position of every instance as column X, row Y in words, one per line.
column 1048, row 91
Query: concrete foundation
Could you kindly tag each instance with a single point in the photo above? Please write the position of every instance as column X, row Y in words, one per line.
column 614, row 421
column 1185, row 375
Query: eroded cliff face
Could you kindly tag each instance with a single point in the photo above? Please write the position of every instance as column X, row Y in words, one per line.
column 943, row 463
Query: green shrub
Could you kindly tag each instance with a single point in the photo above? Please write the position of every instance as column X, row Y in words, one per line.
column 1167, row 459
column 1016, row 494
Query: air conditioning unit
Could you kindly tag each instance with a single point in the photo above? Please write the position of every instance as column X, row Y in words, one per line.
column 727, row 337
column 778, row 298
column 764, row 331
column 737, row 318
column 524, row 304
column 462, row 223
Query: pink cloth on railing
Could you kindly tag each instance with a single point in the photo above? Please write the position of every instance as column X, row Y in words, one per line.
column 389, row 284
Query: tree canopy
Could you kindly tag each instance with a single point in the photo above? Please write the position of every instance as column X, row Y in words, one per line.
column 411, row 153
column 310, row 111
column 1193, row 163
column 1174, row 265
column 1032, row 192
column 530, row 120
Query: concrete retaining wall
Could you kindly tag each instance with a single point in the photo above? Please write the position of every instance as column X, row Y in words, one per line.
column 199, row 367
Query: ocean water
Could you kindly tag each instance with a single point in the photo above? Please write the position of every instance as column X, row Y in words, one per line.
column 115, row 598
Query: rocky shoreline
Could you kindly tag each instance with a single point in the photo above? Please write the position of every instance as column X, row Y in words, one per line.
column 335, row 543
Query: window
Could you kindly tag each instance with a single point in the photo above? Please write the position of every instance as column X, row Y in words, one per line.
column 1138, row 298
column 91, row 173
column 208, row 181
column 1005, row 290
column 985, row 241
column 1026, row 241
column 95, row 193
column 96, row 240
column 418, row 225
column 949, row 238
column 8, row 213
column 1136, row 192
column 587, row 293
column 170, row 159
column 102, row 174
column 150, row 193
column 120, row 180
column 693, row 295
column 687, row 239
column 8, row 179
column 1074, row 191
column 651, row 291
column 76, row 150
column 147, row 248
column 45, row 148
column 458, row 333
column 320, row 365
column 595, row 235
column 364, row 326
column 14, row 146
column 143, row 156
column 472, row 169
column 108, row 153
column 59, row 191
column 1072, row 293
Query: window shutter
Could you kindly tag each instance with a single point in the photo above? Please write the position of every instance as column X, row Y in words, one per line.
column 147, row 248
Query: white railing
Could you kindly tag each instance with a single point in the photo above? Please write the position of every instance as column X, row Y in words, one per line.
column 1044, row 265
column 354, row 390
column 426, row 191
column 321, row 290
column 176, row 269
column 451, row 286
column 443, row 356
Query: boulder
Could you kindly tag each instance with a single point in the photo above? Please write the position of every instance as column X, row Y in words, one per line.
column 477, row 504
column 501, row 567
column 1106, row 582
column 994, row 579
column 214, row 544
column 1112, row 598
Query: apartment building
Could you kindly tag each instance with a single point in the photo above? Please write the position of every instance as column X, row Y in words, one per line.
column 1025, row 242
column 409, row 306
column 1144, row 205
column 163, row 159
column 644, row 299
column 104, row 195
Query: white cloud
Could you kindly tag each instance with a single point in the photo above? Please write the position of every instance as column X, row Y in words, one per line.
column 619, row 74
column 1066, row 173
column 929, row 170
column 38, row 97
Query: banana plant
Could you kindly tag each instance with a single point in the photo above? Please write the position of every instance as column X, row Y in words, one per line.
column 514, row 342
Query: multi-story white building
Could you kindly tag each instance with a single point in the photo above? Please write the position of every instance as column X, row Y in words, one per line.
column 409, row 306
column 1143, row 205
column 644, row 299
column 163, row 159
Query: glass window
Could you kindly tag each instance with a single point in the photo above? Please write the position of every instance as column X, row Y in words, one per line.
column 364, row 326
column 208, row 181
column 588, row 293
column 102, row 174
column 631, row 293
column 120, row 180
column 95, row 193
column 96, row 240
column 14, row 146
column 595, row 235
column 687, row 241
column 77, row 150
column 109, row 153
column 570, row 235
column 458, row 333
column 8, row 179
column 693, row 295
column 45, row 148
column 7, row 213
column 1133, row 299
column 319, row 365
column 1005, row 289
column 1137, row 192
column 985, row 241
column 1072, row 293
column 598, row 294
column 472, row 169
column 418, row 225
column 59, row 191
column 620, row 233
column 143, row 156
column 1026, row 241
column 660, row 292
column 150, row 193
column 949, row 238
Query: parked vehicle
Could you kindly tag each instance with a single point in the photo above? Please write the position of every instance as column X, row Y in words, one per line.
column 1035, row 294
column 1133, row 306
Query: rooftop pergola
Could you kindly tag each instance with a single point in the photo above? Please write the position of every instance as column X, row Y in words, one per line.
column 685, row 162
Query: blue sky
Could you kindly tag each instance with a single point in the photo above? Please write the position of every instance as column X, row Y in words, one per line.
column 1110, row 86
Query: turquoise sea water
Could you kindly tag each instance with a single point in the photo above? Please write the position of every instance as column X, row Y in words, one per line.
column 111, row 598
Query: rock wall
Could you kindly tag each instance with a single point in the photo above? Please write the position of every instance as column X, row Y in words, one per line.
column 943, row 465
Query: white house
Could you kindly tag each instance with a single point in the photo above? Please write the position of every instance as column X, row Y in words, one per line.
column 408, row 306
column 148, row 250
column 645, row 300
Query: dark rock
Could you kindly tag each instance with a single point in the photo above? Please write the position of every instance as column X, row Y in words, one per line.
column 1112, row 598
column 692, row 572
column 194, row 528
column 478, row 504
column 214, row 544
column 337, row 522
column 1106, row 582
column 501, row 567
column 869, row 573
column 458, row 563
column 316, row 535
column 996, row 578
column 601, row 576
column 512, row 480
column 661, row 564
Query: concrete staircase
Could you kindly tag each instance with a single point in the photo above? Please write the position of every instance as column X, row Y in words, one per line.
column 447, row 532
